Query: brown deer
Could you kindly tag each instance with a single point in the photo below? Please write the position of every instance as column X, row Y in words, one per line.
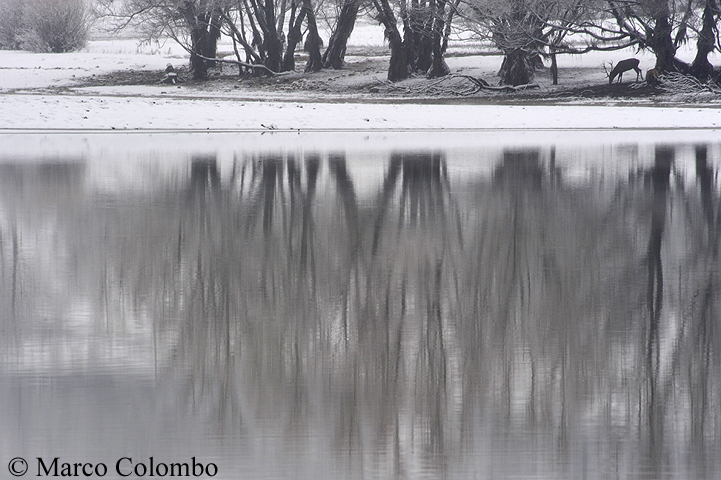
column 652, row 77
column 624, row 66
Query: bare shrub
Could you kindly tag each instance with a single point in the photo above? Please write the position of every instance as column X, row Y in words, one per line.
column 11, row 13
column 55, row 26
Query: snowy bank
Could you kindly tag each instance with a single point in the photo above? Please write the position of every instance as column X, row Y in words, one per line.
column 42, row 92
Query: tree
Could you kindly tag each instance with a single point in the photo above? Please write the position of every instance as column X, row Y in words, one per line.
column 421, row 48
column 526, row 30
column 194, row 24
column 661, row 26
column 203, row 20
column 255, row 26
column 706, row 41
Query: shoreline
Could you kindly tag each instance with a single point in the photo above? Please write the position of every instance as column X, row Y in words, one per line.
column 41, row 111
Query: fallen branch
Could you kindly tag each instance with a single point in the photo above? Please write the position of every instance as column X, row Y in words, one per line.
column 511, row 88
column 686, row 85
column 480, row 84
column 244, row 64
column 451, row 85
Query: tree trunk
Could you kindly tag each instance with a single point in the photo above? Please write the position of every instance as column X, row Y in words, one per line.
column 438, row 68
column 517, row 68
column 449, row 21
column 198, row 39
column 271, row 42
column 662, row 43
column 701, row 67
column 313, row 41
column 197, row 23
column 273, row 49
column 294, row 36
column 211, row 46
column 281, row 18
column 419, row 44
column 554, row 67
column 398, row 66
column 334, row 54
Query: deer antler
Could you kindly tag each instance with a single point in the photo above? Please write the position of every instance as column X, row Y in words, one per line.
column 607, row 70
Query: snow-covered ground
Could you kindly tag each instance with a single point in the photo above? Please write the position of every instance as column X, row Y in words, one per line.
column 29, row 100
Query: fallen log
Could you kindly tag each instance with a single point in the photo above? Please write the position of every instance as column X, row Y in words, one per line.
column 484, row 85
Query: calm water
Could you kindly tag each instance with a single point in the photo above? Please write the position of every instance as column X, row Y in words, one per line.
column 282, row 309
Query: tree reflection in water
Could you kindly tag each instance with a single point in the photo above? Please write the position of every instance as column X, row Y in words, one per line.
column 511, row 324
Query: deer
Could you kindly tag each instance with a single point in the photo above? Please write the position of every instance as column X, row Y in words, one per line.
column 624, row 66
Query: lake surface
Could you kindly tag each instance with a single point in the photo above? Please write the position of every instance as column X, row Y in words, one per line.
column 291, row 306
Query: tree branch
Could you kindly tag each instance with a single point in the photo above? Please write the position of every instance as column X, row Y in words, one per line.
column 244, row 64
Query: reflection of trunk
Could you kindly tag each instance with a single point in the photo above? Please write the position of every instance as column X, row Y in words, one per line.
column 346, row 191
column 660, row 174
column 204, row 176
column 705, row 180
column 660, row 181
column 335, row 53
column 521, row 170
column 16, row 265
column 436, row 355
column 521, row 177
column 421, row 194
column 306, row 240
column 389, row 187
column 271, row 172
column 704, row 328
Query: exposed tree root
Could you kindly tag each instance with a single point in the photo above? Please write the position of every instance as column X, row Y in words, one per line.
column 457, row 85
